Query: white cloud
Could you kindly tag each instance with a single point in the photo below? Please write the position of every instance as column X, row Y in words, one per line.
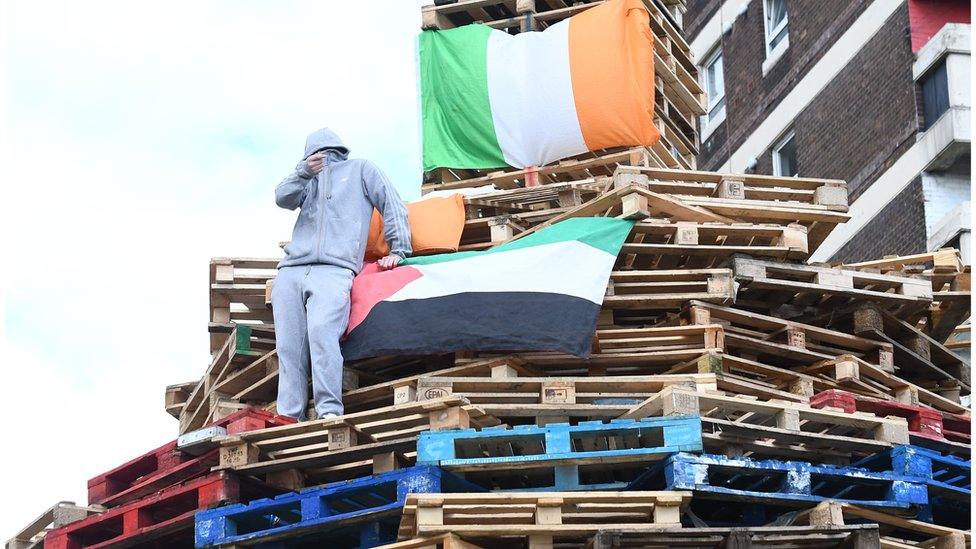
column 139, row 141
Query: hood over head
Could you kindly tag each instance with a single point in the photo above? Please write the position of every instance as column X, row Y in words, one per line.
column 325, row 139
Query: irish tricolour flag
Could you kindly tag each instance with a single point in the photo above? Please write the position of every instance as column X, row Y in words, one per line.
column 491, row 99
column 539, row 293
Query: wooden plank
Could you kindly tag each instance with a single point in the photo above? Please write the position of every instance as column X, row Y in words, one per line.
column 785, row 423
column 555, row 514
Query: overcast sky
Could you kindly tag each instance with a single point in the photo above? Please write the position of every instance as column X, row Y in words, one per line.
column 140, row 139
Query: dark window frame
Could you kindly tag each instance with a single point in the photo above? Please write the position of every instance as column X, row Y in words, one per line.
column 934, row 90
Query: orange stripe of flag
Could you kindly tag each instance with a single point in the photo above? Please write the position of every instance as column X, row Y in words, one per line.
column 611, row 60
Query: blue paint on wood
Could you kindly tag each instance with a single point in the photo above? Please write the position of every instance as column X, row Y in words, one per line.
column 560, row 446
column 781, row 482
column 948, row 480
column 948, row 474
column 370, row 504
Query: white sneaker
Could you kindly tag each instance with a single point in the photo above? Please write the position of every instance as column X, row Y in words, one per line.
column 329, row 415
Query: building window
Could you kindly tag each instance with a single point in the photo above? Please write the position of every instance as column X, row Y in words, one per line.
column 775, row 19
column 784, row 157
column 714, row 76
column 935, row 94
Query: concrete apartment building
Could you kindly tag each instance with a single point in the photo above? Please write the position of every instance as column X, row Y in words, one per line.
column 874, row 92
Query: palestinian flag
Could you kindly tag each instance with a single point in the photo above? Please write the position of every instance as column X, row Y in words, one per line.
column 490, row 99
column 539, row 293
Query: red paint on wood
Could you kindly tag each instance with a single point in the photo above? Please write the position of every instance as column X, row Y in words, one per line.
column 922, row 420
column 250, row 419
column 166, row 515
column 165, row 466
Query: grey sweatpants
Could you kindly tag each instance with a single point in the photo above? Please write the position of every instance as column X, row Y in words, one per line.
column 311, row 311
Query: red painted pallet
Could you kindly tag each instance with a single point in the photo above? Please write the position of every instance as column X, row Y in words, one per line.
column 163, row 520
column 250, row 419
column 166, row 465
column 922, row 420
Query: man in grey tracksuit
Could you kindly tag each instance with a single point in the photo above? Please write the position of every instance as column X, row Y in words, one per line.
column 311, row 292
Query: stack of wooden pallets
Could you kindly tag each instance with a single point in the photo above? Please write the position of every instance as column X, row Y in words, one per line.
column 151, row 500
column 735, row 396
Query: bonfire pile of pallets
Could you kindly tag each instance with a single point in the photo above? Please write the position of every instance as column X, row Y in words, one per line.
column 735, row 395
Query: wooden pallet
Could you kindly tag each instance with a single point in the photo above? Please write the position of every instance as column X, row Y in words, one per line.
column 860, row 536
column 660, row 244
column 515, row 393
column 945, row 260
column 169, row 464
column 587, row 166
column 630, row 351
column 747, row 377
column 773, row 483
column 403, row 389
column 56, row 516
column 176, row 397
column 850, row 373
column 237, row 293
column 363, row 512
column 951, row 304
column 638, row 292
column 896, row 532
column 614, row 347
column 857, row 536
column 847, row 372
column 542, row 518
column 347, row 446
column 926, row 426
column 737, row 425
column 257, row 383
column 750, row 377
column 782, row 342
column 948, row 481
column 759, row 189
column 148, row 473
column 949, row 308
column 630, row 198
column 818, row 204
column 242, row 346
column 164, row 518
column 498, row 215
column 554, row 195
column 782, row 287
column 738, row 197
column 591, row 455
column 550, row 390
column 920, row 359
column 960, row 340
column 634, row 194
column 441, row 541
column 951, row 283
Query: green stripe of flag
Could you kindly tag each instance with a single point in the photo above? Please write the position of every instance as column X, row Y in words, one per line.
column 455, row 110
column 604, row 233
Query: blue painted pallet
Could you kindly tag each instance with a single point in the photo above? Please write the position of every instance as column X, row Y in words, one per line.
column 947, row 475
column 363, row 512
column 560, row 456
column 787, row 483
column 948, row 478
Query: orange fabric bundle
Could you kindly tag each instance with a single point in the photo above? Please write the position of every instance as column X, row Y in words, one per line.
column 435, row 227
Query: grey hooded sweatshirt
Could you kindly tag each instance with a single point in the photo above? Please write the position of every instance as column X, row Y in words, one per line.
column 337, row 206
